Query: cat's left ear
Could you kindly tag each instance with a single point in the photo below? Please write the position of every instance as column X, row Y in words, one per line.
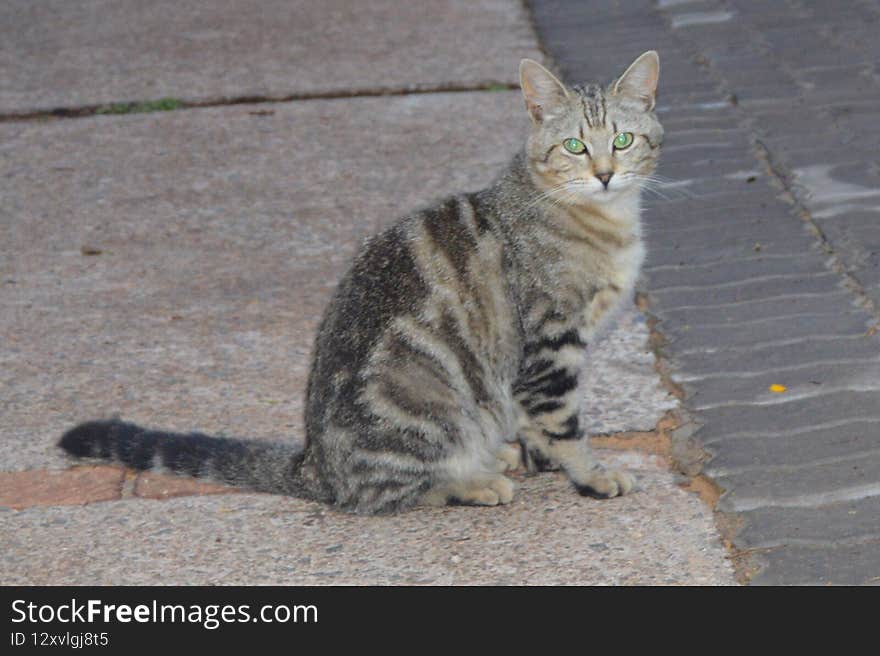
column 639, row 82
column 543, row 93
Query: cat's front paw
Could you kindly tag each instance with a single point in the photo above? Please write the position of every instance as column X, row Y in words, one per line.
column 605, row 483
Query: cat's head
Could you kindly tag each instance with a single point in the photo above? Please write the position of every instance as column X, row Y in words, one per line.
column 589, row 144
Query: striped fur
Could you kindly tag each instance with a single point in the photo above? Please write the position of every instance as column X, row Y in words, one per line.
column 459, row 331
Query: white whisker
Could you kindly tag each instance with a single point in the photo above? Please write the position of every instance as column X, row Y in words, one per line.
column 655, row 183
column 560, row 193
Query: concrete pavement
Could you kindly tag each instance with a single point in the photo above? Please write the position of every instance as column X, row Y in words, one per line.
column 172, row 266
column 61, row 54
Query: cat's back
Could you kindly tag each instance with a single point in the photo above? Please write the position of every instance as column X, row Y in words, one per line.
column 437, row 272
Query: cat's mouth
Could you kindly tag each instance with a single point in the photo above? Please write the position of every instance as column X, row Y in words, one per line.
column 585, row 191
column 603, row 193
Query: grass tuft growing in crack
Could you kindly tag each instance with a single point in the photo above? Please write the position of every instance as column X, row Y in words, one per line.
column 161, row 105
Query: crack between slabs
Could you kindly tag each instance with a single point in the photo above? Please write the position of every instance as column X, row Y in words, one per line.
column 132, row 107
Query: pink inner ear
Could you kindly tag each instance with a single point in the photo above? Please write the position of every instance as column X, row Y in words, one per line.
column 540, row 89
column 535, row 110
column 640, row 80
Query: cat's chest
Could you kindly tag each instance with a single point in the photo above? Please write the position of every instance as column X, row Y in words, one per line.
column 626, row 264
column 611, row 286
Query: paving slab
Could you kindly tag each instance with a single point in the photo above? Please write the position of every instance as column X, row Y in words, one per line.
column 839, row 302
column 724, row 273
column 812, row 486
column 780, row 358
column 832, row 564
column 773, row 330
column 58, row 54
column 802, row 381
column 831, row 441
column 748, row 290
column 774, row 526
column 181, row 287
column 709, row 214
column 751, row 345
column 676, row 251
column 781, row 415
column 660, row 535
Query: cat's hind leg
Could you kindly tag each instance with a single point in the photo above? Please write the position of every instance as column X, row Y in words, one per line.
column 490, row 490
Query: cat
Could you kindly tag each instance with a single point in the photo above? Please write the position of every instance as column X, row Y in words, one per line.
column 450, row 351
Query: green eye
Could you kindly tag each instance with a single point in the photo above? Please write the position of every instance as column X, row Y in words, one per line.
column 575, row 146
column 623, row 140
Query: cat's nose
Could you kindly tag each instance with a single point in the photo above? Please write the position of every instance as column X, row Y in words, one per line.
column 605, row 177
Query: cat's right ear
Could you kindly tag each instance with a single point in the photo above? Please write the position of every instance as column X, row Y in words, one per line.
column 639, row 82
column 544, row 94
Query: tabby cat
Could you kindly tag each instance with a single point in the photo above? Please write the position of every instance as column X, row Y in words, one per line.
column 460, row 330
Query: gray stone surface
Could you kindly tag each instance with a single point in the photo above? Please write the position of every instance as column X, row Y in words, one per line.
column 781, row 415
column 660, row 535
column 833, row 440
column 690, row 250
column 802, row 487
column 800, row 382
column 749, row 290
column 857, row 236
column 739, row 205
column 774, row 357
column 66, row 54
column 719, row 273
column 840, row 302
column 689, row 215
column 774, row 526
column 746, row 277
column 833, row 564
column 774, row 330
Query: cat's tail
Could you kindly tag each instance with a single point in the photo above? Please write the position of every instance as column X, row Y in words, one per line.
column 253, row 464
